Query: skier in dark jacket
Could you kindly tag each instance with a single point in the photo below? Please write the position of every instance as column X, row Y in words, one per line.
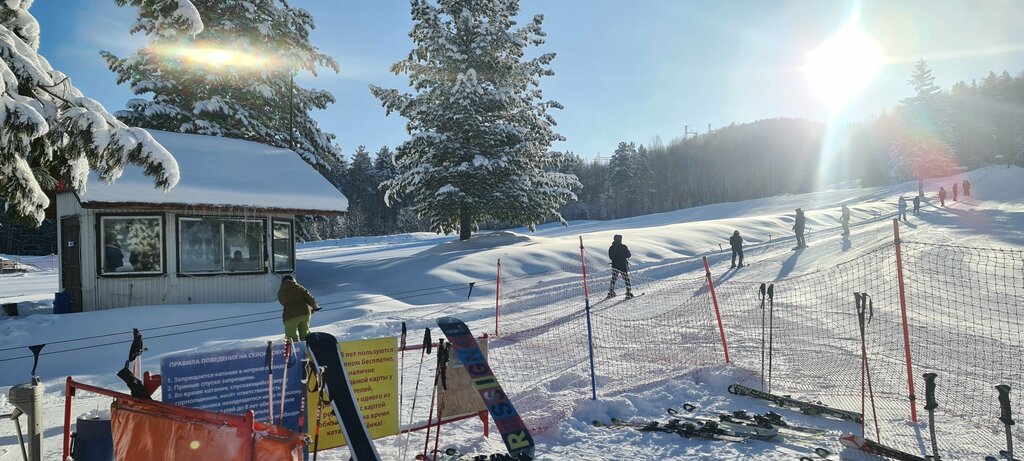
column 619, row 254
column 917, row 205
column 844, row 220
column 798, row 228
column 942, row 196
column 736, row 242
column 902, row 204
column 298, row 305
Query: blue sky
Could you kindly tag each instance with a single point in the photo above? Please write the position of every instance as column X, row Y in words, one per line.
column 625, row 70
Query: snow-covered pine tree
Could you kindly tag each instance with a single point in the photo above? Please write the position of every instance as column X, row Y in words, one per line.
column 254, row 97
column 920, row 148
column 51, row 132
column 621, row 191
column 479, row 128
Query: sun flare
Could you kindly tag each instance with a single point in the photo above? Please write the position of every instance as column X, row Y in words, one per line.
column 843, row 65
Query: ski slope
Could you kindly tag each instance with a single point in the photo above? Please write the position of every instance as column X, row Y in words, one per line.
column 368, row 286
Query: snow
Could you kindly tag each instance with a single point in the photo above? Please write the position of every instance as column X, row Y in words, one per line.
column 223, row 172
column 369, row 285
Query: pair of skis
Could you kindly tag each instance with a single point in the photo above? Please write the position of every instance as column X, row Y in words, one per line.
column 807, row 408
column 709, row 431
column 768, row 420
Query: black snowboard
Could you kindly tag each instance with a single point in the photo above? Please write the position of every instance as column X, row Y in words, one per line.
column 323, row 348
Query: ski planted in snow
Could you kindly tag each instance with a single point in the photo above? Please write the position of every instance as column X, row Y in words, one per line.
column 870, row 446
column 805, row 407
column 323, row 348
column 510, row 425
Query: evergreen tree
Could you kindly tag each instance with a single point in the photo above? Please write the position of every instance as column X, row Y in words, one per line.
column 385, row 218
column 360, row 187
column 51, row 133
column 252, row 96
column 621, row 192
column 920, row 148
column 478, row 124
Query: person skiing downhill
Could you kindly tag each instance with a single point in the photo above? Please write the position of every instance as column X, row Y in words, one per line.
column 942, row 196
column 844, row 219
column 917, row 205
column 736, row 242
column 298, row 305
column 902, row 204
column 798, row 228
column 619, row 254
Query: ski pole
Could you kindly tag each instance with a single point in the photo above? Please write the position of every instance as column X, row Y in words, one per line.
column 931, row 405
column 433, row 394
column 1006, row 416
column 270, row 383
column 401, row 379
column 427, row 344
column 284, row 378
column 319, row 409
column 771, row 331
column 862, row 311
column 444, row 390
column 762, row 337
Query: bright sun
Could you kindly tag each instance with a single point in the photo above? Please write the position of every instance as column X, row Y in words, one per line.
column 843, row 65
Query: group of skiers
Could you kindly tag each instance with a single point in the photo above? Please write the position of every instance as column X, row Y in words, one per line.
column 942, row 192
column 299, row 305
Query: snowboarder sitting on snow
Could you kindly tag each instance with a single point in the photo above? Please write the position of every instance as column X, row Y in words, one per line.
column 917, row 205
column 736, row 242
column 798, row 228
column 844, row 219
column 299, row 305
column 942, row 196
column 619, row 254
column 902, row 203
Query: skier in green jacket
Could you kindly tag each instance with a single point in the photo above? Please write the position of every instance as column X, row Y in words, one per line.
column 298, row 305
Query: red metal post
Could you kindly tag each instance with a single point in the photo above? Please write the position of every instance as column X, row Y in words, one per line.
column 714, row 300
column 903, row 309
column 69, row 394
column 497, row 297
column 487, row 427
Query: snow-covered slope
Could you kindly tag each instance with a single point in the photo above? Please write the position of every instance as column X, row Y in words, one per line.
column 368, row 286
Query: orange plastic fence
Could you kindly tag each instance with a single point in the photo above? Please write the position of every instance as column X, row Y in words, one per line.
column 143, row 429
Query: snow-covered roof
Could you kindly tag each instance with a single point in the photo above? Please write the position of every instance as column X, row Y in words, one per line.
column 222, row 172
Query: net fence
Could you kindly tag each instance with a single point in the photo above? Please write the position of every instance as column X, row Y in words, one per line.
column 964, row 323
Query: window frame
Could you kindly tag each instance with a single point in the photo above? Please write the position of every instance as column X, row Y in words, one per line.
column 220, row 220
column 100, row 234
column 291, row 239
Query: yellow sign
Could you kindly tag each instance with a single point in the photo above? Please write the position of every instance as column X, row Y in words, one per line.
column 372, row 366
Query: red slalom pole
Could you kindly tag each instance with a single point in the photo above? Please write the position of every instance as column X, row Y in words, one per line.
column 714, row 300
column 903, row 310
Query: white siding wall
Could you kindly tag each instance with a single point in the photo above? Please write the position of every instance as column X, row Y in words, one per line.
column 112, row 292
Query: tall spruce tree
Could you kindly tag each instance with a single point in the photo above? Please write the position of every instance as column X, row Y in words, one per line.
column 253, row 98
column 479, row 127
column 921, row 148
column 50, row 133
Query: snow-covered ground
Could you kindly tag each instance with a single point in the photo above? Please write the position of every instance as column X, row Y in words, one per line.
column 368, row 286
